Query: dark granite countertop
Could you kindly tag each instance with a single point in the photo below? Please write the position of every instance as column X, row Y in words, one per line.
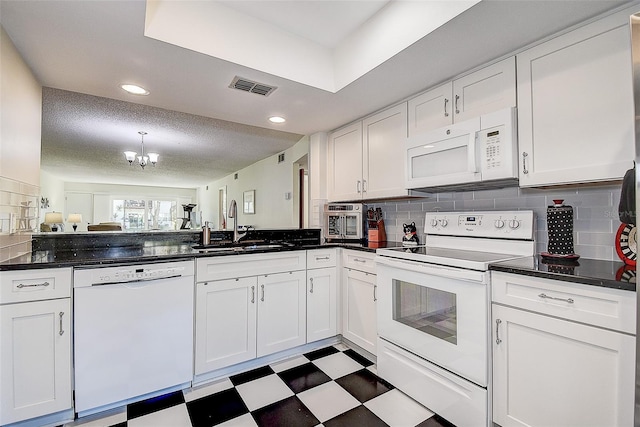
column 65, row 256
column 609, row 274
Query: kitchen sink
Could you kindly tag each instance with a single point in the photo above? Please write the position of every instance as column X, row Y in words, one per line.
column 237, row 248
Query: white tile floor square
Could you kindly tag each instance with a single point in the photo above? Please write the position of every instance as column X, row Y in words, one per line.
column 263, row 391
column 328, row 400
column 337, row 365
column 289, row 363
column 175, row 416
column 397, row 409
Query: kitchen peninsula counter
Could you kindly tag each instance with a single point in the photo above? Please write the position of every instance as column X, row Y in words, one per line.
column 609, row 274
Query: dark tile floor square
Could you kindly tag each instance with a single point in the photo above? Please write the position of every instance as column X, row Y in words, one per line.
column 359, row 416
column 358, row 358
column 254, row 374
column 364, row 385
column 216, row 408
column 124, row 424
column 317, row 354
column 144, row 407
column 289, row 412
column 303, row 377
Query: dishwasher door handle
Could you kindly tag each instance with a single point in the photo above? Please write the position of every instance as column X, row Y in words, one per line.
column 136, row 281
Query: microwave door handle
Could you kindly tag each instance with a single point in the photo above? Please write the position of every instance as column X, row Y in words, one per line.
column 472, row 153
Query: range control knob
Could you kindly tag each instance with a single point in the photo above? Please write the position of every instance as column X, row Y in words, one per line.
column 434, row 222
column 499, row 223
column 444, row 222
column 514, row 224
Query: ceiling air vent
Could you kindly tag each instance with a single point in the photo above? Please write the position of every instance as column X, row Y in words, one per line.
column 247, row 85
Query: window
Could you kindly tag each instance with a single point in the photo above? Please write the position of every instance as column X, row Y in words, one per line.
column 145, row 214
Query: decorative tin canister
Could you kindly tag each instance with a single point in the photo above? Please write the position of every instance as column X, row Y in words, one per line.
column 560, row 229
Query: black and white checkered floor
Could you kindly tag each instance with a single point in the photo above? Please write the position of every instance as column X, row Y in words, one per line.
column 332, row 386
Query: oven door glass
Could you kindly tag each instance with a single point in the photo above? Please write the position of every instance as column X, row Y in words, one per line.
column 442, row 319
column 425, row 309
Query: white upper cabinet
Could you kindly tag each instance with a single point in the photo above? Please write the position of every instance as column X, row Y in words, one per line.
column 345, row 163
column 575, row 106
column 383, row 153
column 366, row 159
column 489, row 89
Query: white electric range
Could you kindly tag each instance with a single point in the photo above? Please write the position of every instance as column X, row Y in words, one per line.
column 434, row 309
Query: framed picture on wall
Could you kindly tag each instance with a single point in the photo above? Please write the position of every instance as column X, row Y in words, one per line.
column 248, row 201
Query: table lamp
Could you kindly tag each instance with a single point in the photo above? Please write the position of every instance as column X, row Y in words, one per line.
column 53, row 218
column 74, row 218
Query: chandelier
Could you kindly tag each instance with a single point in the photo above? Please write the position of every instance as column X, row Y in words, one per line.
column 143, row 159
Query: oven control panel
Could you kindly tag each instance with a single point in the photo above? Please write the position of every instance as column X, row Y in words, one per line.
column 498, row 224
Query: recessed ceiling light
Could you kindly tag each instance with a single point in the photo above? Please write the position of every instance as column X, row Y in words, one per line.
column 277, row 119
column 136, row 90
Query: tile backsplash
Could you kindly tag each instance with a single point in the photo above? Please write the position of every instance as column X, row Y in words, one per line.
column 19, row 205
column 595, row 213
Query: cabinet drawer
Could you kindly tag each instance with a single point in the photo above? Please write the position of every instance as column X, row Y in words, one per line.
column 608, row 308
column 320, row 258
column 34, row 285
column 232, row 266
column 359, row 260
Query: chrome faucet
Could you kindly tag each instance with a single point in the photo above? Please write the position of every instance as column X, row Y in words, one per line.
column 233, row 213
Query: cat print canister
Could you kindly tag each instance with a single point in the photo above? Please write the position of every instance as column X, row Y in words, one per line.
column 560, row 228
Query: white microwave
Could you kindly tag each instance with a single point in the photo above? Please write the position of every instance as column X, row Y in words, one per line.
column 480, row 152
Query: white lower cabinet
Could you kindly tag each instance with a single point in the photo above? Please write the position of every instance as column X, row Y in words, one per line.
column 322, row 301
column 359, row 308
column 281, row 312
column 35, row 359
column 244, row 318
column 550, row 371
column 225, row 323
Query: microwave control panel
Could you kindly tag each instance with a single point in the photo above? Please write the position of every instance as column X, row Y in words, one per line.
column 497, row 148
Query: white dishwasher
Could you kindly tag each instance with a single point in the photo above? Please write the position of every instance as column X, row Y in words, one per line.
column 133, row 332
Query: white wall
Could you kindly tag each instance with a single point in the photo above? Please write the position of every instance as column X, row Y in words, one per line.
column 270, row 179
column 21, row 118
column 20, row 129
column 52, row 188
column 103, row 194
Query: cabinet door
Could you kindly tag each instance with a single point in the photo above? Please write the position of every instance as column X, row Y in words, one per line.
column 35, row 362
column 225, row 323
column 321, row 303
column 575, row 106
column 489, row 89
column 359, row 309
column 384, row 136
column 431, row 110
column 548, row 371
column 345, row 163
column 281, row 311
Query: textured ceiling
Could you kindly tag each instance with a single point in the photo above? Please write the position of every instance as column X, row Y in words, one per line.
column 91, row 47
column 85, row 136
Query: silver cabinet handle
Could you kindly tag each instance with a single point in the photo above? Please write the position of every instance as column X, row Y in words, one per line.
column 311, row 281
column 364, row 185
column 375, row 298
column 456, row 104
column 35, row 285
column 446, row 101
column 262, row 289
column 524, row 162
column 60, row 315
column 498, row 322
column 322, row 258
column 545, row 296
column 253, row 295
column 358, row 187
column 359, row 260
